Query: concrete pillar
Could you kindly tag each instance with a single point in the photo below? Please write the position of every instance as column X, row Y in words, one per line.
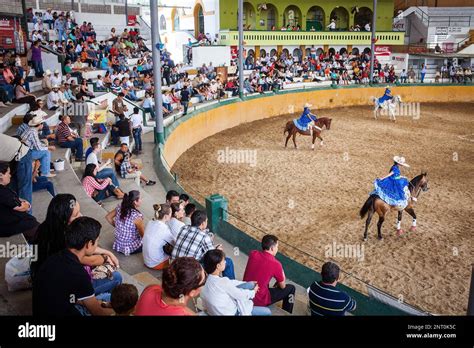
column 216, row 209
column 257, row 52
column 279, row 50
column 303, row 52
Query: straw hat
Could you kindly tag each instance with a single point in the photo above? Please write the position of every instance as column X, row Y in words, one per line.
column 35, row 121
column 56, row 71
column 55, row 86
column 400, row 160
column 307, row 105
column 48, row 72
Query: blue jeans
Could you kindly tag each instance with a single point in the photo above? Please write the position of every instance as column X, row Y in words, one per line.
column 168, row 106
column 257, row 310
column 105, row 193
column 151, row 111
column 9, row 90
column 24, row 178
column 42, row 183
column 38, row 66
column 85, row 312
column 137, row 136
column 106, row 285
column 229, row 268
column 108, row 173
column 422, row 77
column 45, row 158
column 74, row 145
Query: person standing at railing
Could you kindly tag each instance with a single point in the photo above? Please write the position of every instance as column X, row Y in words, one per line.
column 332, row 25
column 60, row 27
column 48, row 18
column 36, row 59
column 423, row 72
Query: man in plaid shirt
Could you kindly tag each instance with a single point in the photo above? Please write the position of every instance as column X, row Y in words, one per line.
column 195, row 241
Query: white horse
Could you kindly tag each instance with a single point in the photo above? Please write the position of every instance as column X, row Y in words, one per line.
column 390, row 105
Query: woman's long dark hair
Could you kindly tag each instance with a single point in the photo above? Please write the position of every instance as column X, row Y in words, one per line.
column 128, row 203
column 89, row 171
column 51, row 231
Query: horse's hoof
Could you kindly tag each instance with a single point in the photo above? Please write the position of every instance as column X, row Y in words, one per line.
column 364, row 239
column 413, row 229
column 379, row 238
column 400, row 232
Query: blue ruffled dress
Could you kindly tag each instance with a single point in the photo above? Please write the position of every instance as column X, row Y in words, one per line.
column 302, row 122
column 394, row 189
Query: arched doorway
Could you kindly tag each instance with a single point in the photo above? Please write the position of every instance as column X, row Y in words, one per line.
column 367, row 50
column 341, row 16
column 249, row 16
column 198, row 20
column 363, row 17
column 315, row 19
column 162, row 23
column 263, row 53
column 319, row 51
column 285, row 53
column 355, row 51
column 298, row 54
column 292, row 16
column 273, row 53
column 174, row 20
column 342, row 51
column 270, row 15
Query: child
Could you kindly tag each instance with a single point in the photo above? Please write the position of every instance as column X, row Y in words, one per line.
column 189, row 209
column 123, row 299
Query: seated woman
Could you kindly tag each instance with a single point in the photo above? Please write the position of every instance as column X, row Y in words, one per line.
column 62, row 211
column 98, row 189
column 14, row 210
column 128, row 223
column 158, row 238
column 223, row 296
column 176, row 222
column 22, row 96
column 182, row 282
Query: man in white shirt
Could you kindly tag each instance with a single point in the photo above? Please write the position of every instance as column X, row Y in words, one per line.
column 367, row 27
column 137, row 128
column 56, row 79
column 332, row 25
column 103, row 170
column 54, row 99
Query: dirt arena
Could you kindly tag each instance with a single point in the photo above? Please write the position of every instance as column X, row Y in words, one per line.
column 311, row 199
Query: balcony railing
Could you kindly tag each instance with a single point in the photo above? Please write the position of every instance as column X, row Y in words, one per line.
column 271, row 38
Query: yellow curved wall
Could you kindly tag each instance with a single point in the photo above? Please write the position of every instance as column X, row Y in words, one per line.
column 211, row 122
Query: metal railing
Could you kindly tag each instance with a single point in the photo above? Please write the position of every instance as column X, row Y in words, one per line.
column 440, row 20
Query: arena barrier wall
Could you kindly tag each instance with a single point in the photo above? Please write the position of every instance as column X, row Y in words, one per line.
column 193, row 128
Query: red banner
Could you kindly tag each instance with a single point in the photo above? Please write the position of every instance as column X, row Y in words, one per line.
column 382, row 51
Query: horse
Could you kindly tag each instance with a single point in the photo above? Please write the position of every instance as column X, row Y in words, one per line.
column 374, row 204
column 389, row 105
column 293, row 130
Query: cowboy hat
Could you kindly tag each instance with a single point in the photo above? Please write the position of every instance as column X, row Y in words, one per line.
column 307, row 105
column 35, row 121
column 48, row 72
column 55, row 86
column 56, row 71
column 12, row 148
column 400, row 160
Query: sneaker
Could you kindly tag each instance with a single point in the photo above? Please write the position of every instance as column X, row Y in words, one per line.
column 150, row 183
column 2, row 105
column 50, row 175
column 8, row 103
column 80, row 160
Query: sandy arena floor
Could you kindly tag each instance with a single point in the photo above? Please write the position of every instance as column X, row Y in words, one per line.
column 311, row 199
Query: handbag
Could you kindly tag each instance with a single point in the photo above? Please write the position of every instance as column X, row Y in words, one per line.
column 17, row 271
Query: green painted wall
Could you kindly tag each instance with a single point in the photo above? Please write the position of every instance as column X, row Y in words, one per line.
column 228, row 12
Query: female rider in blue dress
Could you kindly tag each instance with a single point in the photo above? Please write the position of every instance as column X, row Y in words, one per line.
column 307, row 120
column 387, row 96
column 393, row 188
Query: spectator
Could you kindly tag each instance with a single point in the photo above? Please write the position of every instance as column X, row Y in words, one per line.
column 40, row 150
column 411, row 75
column 103, row 170
column 182, row 282
column 55, row 100
column 195, row 241
column 66, row 271
column 123, row 299
column 14, row 210
column 189, row 209
column 46, row 82
column 66, row 138
column 325, row 299
column 137, row 129
column 172, row 197
column 332, row 25
column 262, row 266
column 99, row 189
column 6, row 86
column 158, row 237
column 123, row 127
column 92, row 141
column 129, row 170
column 56, row 79
column 367, row 27
column 185, row 99
column 41, row 182
column 184, row 198
column 403, row 76
column 118, row 105
column 423, row 73
column 128, row 223
column 148, row 105
column 175, row 223
column 22, row 95
column 223, row 296
column 36, row 59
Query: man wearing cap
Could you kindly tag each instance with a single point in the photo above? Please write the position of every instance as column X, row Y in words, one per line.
column 46, row 84
column 39, row 150
column 54, row 98
column 307, row 120
column 56, row 78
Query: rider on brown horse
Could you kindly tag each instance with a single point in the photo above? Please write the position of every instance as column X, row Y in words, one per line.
column 307, row 120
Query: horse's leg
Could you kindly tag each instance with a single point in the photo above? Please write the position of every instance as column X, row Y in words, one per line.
column 370, row 214
column 314, row 139
column 287, row 138
column 379, row 226
column 399, row 224
column 411, row 211
column 319, row 136
column 294, row 141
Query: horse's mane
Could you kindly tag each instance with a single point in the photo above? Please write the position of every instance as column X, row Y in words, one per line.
column 416, row 180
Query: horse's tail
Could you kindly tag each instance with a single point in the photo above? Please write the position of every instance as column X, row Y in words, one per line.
column 287, row 127
column 369, row 203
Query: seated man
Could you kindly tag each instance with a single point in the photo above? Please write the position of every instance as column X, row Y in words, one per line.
column 262, row 266
column 72, row 293
column 194, row 241
column 66, row 138
column 325, row 299
column 126, row 168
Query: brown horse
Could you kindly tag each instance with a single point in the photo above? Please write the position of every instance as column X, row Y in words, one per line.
column 375, row 205
column 293, row 130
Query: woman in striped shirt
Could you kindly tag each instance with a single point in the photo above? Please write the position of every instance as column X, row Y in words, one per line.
column 98, row 189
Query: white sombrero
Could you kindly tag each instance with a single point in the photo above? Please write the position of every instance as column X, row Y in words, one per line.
column 307, row 105
column 400, row 161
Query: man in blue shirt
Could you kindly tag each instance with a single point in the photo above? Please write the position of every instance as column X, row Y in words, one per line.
column 325, row 299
